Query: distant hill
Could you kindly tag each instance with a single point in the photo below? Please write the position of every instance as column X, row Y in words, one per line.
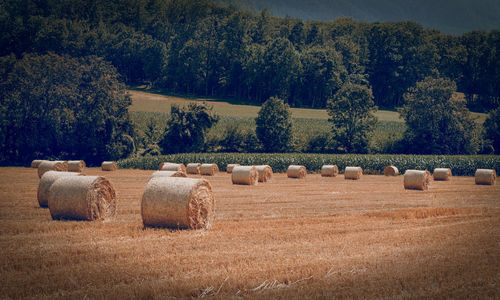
column 448, row 16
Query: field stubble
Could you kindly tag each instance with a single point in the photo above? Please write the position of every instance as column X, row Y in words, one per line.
column 317, row 237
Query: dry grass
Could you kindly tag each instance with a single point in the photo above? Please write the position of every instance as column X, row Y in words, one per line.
column 317, row 238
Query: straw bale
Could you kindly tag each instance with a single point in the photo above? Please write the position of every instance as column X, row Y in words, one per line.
column 391, row 171
column 295, row 171
column 173, row 167
column 247, row 175
column 209, row 169
column 417, row 180
column 47, row 165
column 168, row 174
column 48, row 178
column 82, row 198
column 230, row 167
column 76, row 166
column 485, row 176
column 265, row 173
column 329, row 170
column 35, row 163
column 193, row 168
column 353, row 173
column 442, row 174
column 109, row 166
column 179, row 203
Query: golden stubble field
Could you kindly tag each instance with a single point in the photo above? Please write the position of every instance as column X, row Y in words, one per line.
column 289, row 238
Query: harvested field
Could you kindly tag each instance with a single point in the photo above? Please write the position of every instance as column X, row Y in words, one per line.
column 319, row 237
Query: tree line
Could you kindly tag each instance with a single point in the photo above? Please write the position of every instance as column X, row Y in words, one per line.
column 199, row 47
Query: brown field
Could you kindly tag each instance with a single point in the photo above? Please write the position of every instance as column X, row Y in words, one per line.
column 289, row 238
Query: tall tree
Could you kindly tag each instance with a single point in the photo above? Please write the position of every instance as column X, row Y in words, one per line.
column 274, row 125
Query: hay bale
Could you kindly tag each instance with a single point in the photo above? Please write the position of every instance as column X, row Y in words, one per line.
column 247, row 175
column 353, row 173
column 46, row 182
column 391, row 171
column 36, row 163
column 209, row 169
column 76, row 165
column 485, row 176
column 265, row 173
column 193, row 168
column 109, row 166
column 329, row 171
column 229, row 167
column 295, row 171
column 47, row 165
column 82, row 198
column 173, row 167
column 442, row 174
column 168, row 174
column 178, row 203
column 417, row 180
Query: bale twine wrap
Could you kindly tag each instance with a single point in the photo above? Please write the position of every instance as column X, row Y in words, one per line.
column 265, row 173
column 47, row 165
column 209, row 169
column 76, row 165
column 168, row 174
column 485, row 176
column 46, row 182
column 295, row 171
column 193, row 168
column 247, row 175
column 442, row 174
column 391, row 171
column 172, row 167
column 35, row 163
column 417, row 180
column 82, row 198
column 229, row 167
column 109, row 166
column 329, row 171
column 178, row 203
column 353, row 173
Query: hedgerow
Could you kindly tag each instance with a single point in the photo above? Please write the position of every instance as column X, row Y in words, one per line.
column 463, row 165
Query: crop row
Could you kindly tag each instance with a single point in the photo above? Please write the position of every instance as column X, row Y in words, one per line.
column 371, row 163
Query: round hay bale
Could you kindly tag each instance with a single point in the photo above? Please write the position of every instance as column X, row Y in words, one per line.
column 173, row 167
column 229, row 167
column 391, row 171
column 168, row 174
column 247, row 175
column 162, row 163
column 442, row 174
column 76, row 165
column 353, row 173
column 265, row 173
column 485, row 176
column 35, row 163
column 109, row 166
column 82, row 198
column 417, row 180
column 178, row 203
column 193, row 168
column 329, row 171
column 295, row 171
column 46, row 182
column 209, row 169
column 47, row 165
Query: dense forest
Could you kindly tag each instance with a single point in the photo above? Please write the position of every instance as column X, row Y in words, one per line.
column 202, row 48
column 448, row 16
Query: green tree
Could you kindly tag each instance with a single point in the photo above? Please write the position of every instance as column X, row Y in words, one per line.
column 62, row 107
column 492, row 129
column 274, row 125
column 187, row 127
column 351, row 115
column 438, row 122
